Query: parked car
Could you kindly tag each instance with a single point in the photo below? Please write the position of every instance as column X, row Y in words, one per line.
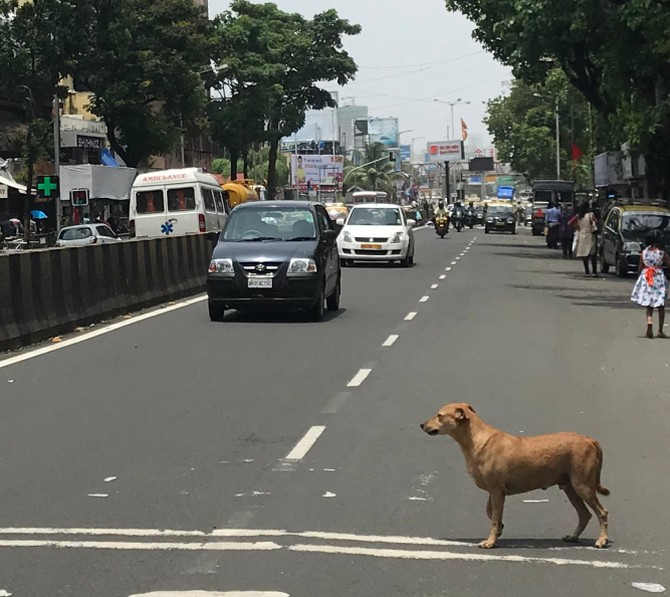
column 86, row 234
column 500, row 218
column 625, row 225
column 377, row 232
column 275, row 254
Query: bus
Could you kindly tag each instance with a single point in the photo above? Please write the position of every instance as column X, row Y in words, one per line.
column 176, row 202
column 369, row 197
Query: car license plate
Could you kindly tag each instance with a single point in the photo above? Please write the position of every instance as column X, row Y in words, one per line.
column 371, row 247
column 260, row 282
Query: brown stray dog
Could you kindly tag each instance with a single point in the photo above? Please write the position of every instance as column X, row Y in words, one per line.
column 505, row 464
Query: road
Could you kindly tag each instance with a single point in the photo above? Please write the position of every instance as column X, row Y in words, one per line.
column 275, row 454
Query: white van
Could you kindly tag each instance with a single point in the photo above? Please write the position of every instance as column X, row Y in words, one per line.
column 176, row 202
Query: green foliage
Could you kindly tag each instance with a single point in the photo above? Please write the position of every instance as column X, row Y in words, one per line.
column 278, row 59
column 376, row 177
column 615, row 52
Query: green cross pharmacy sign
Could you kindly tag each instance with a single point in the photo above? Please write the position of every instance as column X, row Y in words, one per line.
column 48, row 187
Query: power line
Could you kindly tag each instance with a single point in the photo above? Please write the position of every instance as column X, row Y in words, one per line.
column 397, row 66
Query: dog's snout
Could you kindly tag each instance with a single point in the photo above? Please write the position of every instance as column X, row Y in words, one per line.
column 422, row 425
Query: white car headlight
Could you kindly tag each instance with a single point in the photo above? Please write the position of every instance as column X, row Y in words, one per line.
column 632, row 247
column 301, row 265
column 222, row 266
column 347, row 238
column 398, row 237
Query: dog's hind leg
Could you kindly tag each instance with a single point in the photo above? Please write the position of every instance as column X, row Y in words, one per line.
column 497, row 504
column 582, row 512
column 588, row 494
column 489, row 513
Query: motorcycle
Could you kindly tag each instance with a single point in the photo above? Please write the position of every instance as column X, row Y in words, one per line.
column 458, row 219
column 470, row 220
column 441, row 226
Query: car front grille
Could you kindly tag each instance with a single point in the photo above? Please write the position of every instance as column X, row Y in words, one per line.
column 363, row 239
column 270, row 266
column 370, row 252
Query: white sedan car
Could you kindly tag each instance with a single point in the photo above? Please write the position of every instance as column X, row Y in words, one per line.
column 376, row 232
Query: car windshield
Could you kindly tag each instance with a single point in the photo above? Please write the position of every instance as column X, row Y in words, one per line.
column 75, row 233
column 500, row 210
column 375, row 216
column 637, row 225
column 258, row 224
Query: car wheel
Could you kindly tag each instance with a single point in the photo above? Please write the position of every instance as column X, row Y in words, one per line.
column 333, row 301
column 604, row 266
column 216, row 312
column 316, row 312
column 621, row 269
column 407, row 261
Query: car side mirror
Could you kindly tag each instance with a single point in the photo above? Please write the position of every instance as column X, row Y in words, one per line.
column 340, row 221
column 329, row 235
column 411, row 223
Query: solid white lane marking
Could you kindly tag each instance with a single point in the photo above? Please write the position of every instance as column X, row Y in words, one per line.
column 424, row 299
column 410, row 316
column 390, row 341
column 210, row 594
column 306, row 443
column 105, row 330
column 434, row 286
column 448, row 555
column 443, row 277
column 359, row 378
column 145, row 546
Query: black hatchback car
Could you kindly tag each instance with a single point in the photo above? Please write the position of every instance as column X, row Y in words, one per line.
column 275, row 254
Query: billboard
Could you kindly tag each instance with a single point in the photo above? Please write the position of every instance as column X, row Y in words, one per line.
column 310, row 172
column 405, row 153
column 385, row 131
column 445, row 151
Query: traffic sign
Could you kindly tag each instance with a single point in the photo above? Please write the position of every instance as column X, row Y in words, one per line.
column 48, row 187
column 79, row 197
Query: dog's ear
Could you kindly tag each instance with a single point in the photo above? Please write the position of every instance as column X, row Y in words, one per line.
column 460, row 415
column 472, row 409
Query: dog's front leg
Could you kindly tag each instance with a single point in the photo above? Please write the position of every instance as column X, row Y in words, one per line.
column 494, row 508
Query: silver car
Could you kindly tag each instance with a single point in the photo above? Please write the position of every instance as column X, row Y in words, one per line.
column 86, row 234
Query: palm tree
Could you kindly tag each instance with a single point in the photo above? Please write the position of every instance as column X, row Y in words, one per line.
column 376, row 177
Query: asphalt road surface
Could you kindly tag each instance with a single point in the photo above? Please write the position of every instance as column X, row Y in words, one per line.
column 268, row 455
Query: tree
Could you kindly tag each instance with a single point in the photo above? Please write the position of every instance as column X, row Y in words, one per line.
column 378, row 176
column 143, row 63
column 615, row 52
column 280, row 58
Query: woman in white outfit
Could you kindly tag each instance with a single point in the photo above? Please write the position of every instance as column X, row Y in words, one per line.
column 586, row 227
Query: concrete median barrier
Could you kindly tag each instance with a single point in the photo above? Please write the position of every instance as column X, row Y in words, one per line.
column 50, row 292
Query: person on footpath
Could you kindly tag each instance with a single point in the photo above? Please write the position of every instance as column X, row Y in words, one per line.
column 551, row 220
column 586, row 228
column 651, row 287
column 567, row 232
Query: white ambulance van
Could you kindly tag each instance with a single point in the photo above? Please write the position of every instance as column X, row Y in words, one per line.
column 176, row 202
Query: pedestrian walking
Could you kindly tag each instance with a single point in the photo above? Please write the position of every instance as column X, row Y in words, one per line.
column 651, row 287
column 567, row 232
column 551, row 220
column 586, row 228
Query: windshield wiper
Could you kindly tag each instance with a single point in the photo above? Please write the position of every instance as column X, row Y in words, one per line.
column 258, row 239
column 299, row 238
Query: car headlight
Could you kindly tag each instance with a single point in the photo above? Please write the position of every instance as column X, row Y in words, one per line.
column 632, row 247
column 300, row 265
column 347, row 238
column 398, row 237
column 222, row 266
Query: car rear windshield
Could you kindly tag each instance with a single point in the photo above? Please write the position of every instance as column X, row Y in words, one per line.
column 375, row 216
column 501, row 210
column 278, row 224
column 637, row 225
column 75, row 233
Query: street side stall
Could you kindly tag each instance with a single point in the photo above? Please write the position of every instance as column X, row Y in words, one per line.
column 96, row 193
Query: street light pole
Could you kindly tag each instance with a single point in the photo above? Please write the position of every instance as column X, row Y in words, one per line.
column 458, row 102
column 558, row 143
column 59, row 205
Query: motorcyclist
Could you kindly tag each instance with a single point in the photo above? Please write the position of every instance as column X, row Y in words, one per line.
column 441, row 211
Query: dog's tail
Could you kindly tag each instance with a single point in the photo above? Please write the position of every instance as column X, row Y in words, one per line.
column 600, row 488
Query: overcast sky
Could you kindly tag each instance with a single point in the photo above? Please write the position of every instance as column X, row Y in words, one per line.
column 410, row 53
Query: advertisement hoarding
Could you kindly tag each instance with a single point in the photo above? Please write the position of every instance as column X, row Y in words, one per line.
column 385, row 131
column 310, row 172
column 405, row 153
column 445, row 151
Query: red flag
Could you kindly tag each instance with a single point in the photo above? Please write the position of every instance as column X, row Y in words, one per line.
column 464, row 130
column 577, row 153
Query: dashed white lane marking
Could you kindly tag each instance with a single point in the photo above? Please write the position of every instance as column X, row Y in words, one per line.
column 105, row 330
column 434, row 286
column 410, row 316
column 306, row 443
column 448, row 269
column 98, row 495
column 535, row 501
column 359, row 378
column 648, row 587
column 391, row 340
column 210, row 594
column 424, row 299
column 454, row 262
column 406, row 554
column 443, row 277
column 4, row 593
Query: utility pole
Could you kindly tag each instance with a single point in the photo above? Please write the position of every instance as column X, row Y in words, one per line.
column 59, row 205
column 447, row 183
column 558, row 143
